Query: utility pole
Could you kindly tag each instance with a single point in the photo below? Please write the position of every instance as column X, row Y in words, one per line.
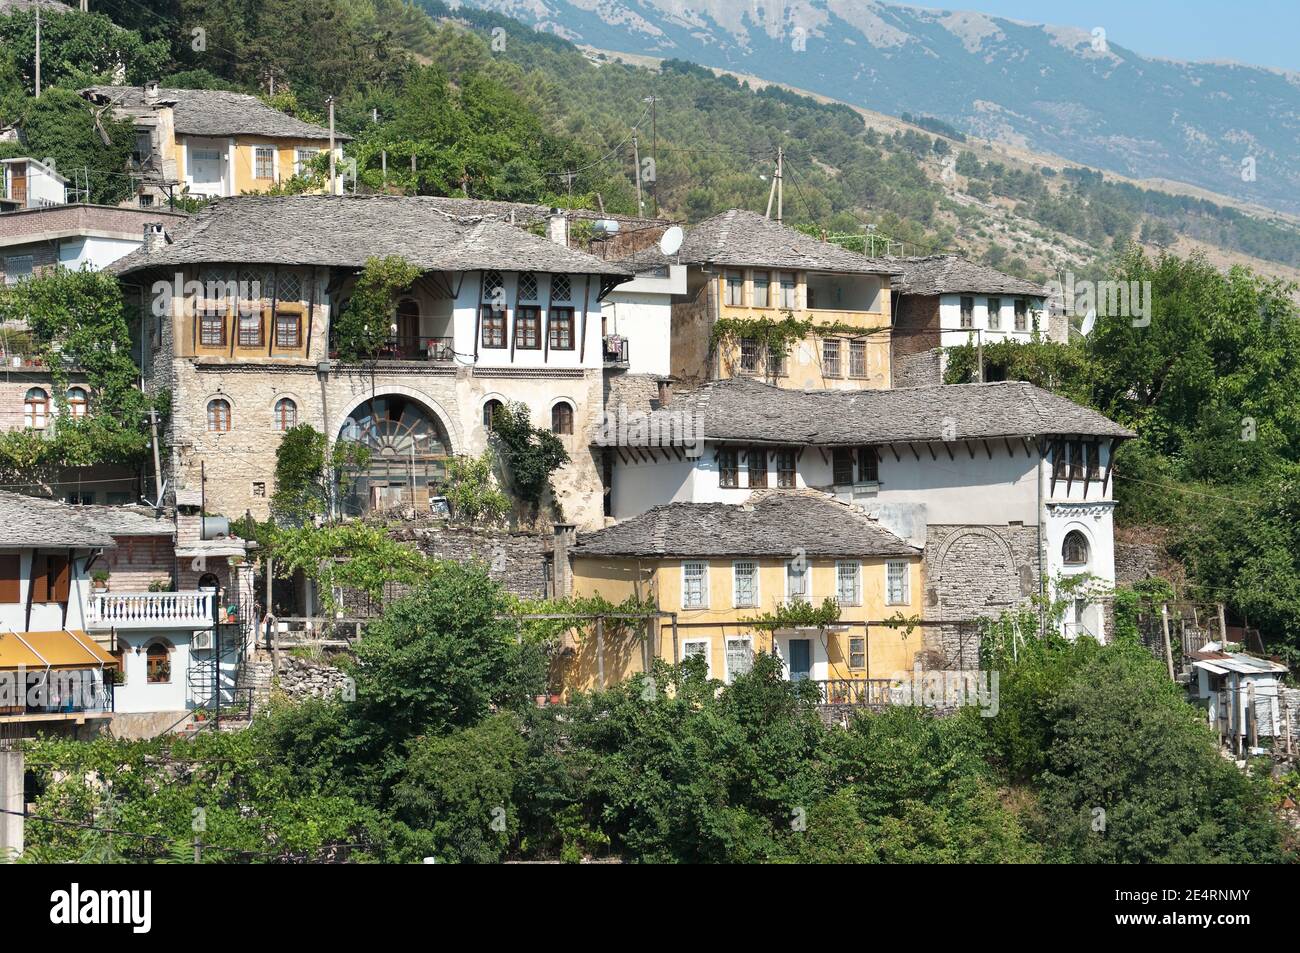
column 333, row 186
column 654, row 148
column 157, row 465
column 636, row 159
column 780, row 185
column 38, row 52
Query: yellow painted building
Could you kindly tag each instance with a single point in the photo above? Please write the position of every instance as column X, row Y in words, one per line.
column 746, row 268
column 718, row 567
column 212, row 142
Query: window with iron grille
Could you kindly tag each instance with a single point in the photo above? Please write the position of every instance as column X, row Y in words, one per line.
column 995, row 314
column 698, row 648
column 740, row 657
column 494, row 327
column 868, row 465
column 735, row 288
column 857, row 359
column 967, row 312
column 775, row 362
column 728, row 469
column 561, row 290
column 857, row 652
column 290, row 286
column 848, row 583
column 288, row 330
column 896, row 583
column 250, row 329
column 264, row 162
column 831, row 357
column 212, row 329
column 494, row 290
column 695, row 585
column 744, row 576
column 757, row 461
column 748, row 355
column 842, row 466
column 785, row 477
column 528, row 323
column 561, row 329
column 1022, row 314
column 762, row 283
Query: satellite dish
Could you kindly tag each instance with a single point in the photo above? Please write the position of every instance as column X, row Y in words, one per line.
column 671, row 241
column 1089, row 322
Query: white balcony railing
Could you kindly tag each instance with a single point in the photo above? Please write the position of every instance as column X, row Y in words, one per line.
column 151, row 610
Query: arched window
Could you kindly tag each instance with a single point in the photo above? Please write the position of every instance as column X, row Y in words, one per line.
column 77, row 402
column 36, row 408
column 158, row 664
column 218, row 415
column 286, row 414
column 489, row 411
column 1074, row 551
column 562, row 418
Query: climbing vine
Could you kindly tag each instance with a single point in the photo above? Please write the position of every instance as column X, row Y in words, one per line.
column 797, row 614
column 778, row 336
column 529, row 454
column 579, row 614
column 364, row 326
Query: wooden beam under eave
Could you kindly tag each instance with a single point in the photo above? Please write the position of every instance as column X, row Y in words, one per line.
column 894, row 450
column 1056, row 447
column 1110, row 462
column 970, row 448
column 948, row 446
column 1087, row 470
column 988, row 449
column 930, row 446
column 917, row 455
column 1007, row 441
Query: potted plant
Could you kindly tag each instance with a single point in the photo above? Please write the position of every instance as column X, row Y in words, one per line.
column 99, row 579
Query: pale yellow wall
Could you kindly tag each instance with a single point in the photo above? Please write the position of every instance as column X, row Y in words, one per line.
column 889, row 650
column 244, row 160
column 804, row 365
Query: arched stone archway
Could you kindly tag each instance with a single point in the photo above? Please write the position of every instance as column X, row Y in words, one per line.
column 400, row 448
column 977, row 574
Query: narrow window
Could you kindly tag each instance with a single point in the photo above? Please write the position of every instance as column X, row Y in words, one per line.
column 735, row 288
column 695, row 585
column 967, row 312
column 1022, row 314
column 561, row 329
column 762, row 281
column 250, row 329
column 896, row 583
column 288, row 330
column 36, row 409
column 798, row 581
column 264, row 162
column 489, row 411
column 528, row 291
column 528, row 324
column 562, row 418
column 745, row 584
column 740, row 658
column 788, row 288
column 785, row 478
column 1076, row 459
column 831, row 357
column 1094, row 460
column 286, row 414
column 1060, row 460
column 848, row 583
column 748, row 355
column 776, row 362
column 857, row 359
column 77, row 402
column 995, row 314
column 868, row 465
column 842, row 466
column 212, row 328
column 1074, row 551
column 561, row 288
column 494, row 327
column 728, row 469
column 218, row 415
column 158, row 664
column 756, row 458
column 857, row 653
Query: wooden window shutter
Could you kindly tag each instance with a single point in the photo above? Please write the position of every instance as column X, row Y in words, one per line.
column 10, row 588
column 60, row 579
column 40, row 579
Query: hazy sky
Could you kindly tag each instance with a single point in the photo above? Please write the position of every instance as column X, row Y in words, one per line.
column 1260, row 32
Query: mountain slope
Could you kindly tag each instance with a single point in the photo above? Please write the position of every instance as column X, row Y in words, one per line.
column 1228, row 128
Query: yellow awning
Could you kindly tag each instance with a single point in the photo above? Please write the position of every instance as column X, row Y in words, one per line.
column 70, row 648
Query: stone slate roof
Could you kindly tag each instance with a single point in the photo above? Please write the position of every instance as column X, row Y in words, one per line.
column 29, row 521
column 952, row 274
column 741, row 409
column 131, row 520
column 344, row 231
column 214, row 112
column 739, row 238
column 772, row 523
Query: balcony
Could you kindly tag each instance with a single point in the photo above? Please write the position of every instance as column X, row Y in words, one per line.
column 855, row 692
column 616, row 350
column 433, row 350
column 151, row 610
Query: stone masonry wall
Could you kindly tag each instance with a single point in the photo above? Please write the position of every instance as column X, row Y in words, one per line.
column 973, row 572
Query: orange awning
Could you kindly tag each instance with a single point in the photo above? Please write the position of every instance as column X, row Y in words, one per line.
column 70, row 648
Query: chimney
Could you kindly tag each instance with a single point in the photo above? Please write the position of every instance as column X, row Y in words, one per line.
column 154, row 237
column 665, row 392
column 151, row 90
column 561, row 570
column 557, row 228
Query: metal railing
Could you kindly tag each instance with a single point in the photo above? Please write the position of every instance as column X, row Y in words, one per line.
column 151, row 610
column 416, row 348
column 855, row 692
